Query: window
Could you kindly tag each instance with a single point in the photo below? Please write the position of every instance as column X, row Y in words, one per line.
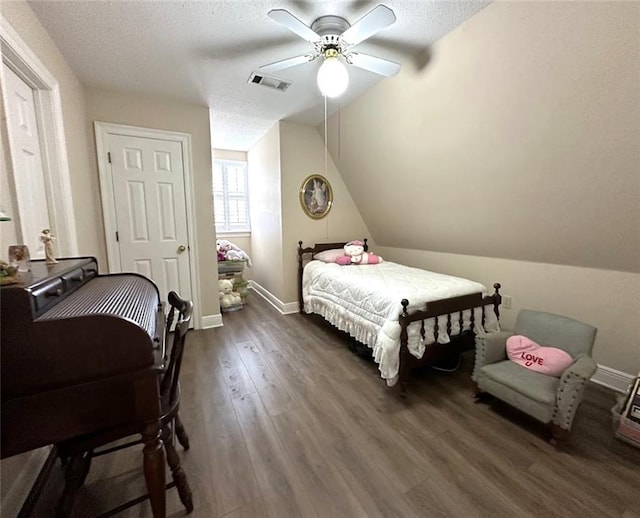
column 230, row 196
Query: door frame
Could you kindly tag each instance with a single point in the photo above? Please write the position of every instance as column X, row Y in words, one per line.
column 102, row 132
column 17, row 55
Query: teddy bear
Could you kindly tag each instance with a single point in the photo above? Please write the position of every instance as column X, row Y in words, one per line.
column 228, row 297
column 354, row 254
column 231, row 252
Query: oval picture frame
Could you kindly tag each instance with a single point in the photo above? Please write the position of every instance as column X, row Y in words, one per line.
column 316, row 196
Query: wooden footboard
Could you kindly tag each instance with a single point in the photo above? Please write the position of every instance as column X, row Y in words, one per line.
column 434, row 309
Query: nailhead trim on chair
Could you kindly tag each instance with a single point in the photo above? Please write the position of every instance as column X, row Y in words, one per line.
column 568, row 419
column 479, row 360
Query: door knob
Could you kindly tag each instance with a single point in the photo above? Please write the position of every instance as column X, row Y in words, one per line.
column 181, row 248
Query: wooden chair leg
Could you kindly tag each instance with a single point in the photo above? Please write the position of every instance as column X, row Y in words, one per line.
column 154, row 460
column 181, row 433
column 478, row 394
column 177, row 473
column 75, row 473
column 557, row 436
column 85, row 468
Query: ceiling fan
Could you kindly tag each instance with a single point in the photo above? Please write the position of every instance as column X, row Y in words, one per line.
column 333, row 38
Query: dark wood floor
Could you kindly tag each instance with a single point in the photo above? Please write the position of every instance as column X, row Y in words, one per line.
column 285, row 421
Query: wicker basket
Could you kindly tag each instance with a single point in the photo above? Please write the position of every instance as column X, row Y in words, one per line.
column 231, row 266
column 242, row 287
column 235, row 307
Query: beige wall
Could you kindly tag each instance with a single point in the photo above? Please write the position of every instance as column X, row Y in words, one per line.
column 513, row 157
column 163, row 114
column 278, row 164
column 266, row 215
column 76, row 131
column 609, row 300
column 9, row 230
column 227, row 154
column 80, row 108
column 302, row 154
column 19, row 472
column 520, row 139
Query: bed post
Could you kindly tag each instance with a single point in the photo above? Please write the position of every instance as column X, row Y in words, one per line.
column 300, row 303
column 403, row 367
column 497, row 299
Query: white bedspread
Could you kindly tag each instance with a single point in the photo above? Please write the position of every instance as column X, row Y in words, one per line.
column 364, row 301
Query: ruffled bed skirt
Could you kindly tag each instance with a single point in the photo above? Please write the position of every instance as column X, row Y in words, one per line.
column 384, row 338
column 364, row 332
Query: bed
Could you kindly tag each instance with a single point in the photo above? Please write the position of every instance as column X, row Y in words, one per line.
column 408, row 317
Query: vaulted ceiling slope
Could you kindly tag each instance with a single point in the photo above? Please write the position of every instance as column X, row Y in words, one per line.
column 203, row 52
column 520, row 140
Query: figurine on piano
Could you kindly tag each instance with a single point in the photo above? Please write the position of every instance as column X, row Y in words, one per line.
column 47, row 238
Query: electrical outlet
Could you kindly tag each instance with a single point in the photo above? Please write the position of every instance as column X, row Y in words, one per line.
column 506, row 301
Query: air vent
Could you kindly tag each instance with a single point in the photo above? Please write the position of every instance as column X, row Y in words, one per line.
column 271, row 82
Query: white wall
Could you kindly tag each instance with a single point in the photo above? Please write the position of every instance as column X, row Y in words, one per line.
column 266, row 214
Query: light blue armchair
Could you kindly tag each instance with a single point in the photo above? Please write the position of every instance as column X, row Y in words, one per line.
column 552, row 400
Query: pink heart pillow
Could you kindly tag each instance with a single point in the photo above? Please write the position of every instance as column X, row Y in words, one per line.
column 547, row 360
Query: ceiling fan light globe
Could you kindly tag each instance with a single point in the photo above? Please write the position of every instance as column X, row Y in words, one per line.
column 333, row 77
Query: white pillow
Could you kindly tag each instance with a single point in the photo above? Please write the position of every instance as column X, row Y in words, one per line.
column 329, row 256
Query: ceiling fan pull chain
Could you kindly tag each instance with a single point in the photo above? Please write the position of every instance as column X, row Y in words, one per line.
column 326, row 143
column 339, row 127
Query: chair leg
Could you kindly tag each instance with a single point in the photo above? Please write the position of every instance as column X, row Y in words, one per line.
column 153, row 461
column 75, row 473
column 181, row 433
column 557, row 435
column 479, row 395
column 86, row 466
column 177, row 473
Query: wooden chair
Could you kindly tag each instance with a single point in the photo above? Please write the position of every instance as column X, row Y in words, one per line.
column 76, row 454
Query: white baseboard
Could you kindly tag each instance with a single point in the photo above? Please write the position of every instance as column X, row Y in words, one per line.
column 286, row 308
column 613, row 379
column 209, row 321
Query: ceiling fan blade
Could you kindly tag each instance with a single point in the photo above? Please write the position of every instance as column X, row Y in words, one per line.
column 381, row 66
column 286, row 19
column 288, row 63
column 375, row 20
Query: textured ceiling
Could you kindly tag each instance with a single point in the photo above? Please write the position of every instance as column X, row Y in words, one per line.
column 204, row 52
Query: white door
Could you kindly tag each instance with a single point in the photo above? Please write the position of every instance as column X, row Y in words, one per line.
column 26, row 158
column 150, row 206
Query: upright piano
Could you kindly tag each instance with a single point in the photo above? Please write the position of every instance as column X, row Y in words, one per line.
column 80, row 352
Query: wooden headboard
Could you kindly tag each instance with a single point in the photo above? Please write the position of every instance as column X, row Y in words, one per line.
column 307, row 254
